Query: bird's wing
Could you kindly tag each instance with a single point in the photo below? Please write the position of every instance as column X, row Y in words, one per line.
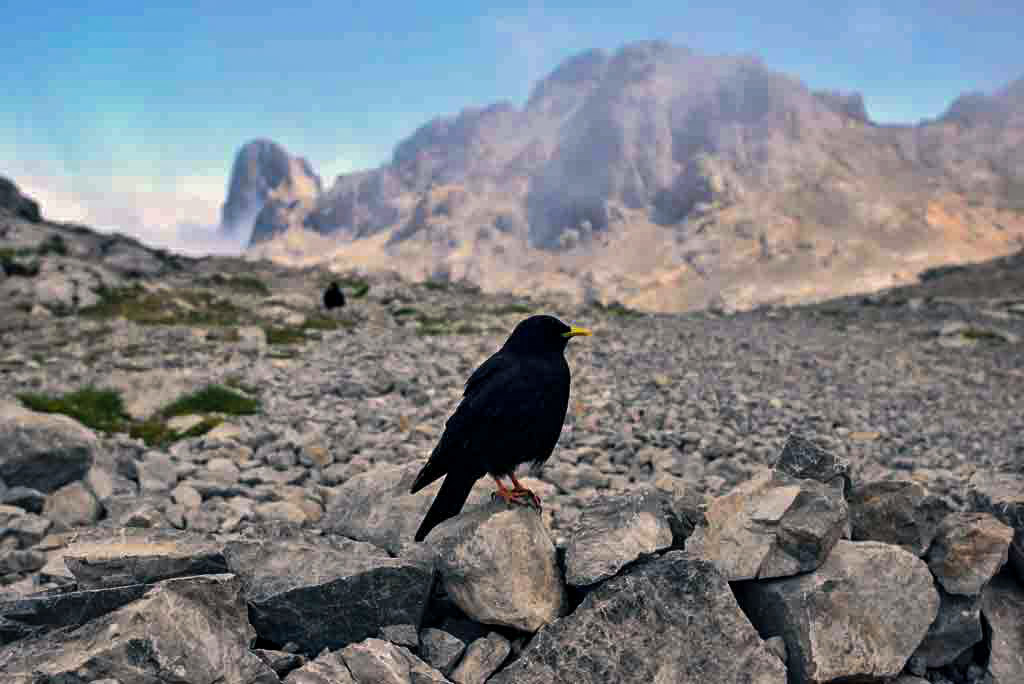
column 470, row 417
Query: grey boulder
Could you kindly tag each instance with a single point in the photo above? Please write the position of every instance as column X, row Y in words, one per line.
column 614, row 531
column 324, row 592
column 499, row 565
column 771, row 526
column 672, row 619
column 859, row 616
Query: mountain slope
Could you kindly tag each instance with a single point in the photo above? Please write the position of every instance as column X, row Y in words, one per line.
column 671, row 180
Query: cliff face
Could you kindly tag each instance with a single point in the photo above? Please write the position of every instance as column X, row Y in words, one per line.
column 670, row 180
column 267, row 185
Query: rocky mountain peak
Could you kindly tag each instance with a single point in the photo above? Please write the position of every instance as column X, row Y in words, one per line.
column 264, row 172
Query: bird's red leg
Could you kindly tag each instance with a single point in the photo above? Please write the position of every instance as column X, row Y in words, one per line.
column 519, row 490
column 503, row 491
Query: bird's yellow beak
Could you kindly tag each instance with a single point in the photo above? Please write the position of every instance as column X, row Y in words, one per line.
column 574, row 331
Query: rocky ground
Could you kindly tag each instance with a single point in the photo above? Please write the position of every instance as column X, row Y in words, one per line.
column 230, row 501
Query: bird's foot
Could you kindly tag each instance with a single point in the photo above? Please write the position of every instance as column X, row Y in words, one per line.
column 518, row 496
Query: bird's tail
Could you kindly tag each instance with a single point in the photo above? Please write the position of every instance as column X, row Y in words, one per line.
column 448, row 502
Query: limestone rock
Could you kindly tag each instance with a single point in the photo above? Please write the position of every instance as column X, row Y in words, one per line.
column 482, row 658
column 860, row 615
column 802, row 459
column 192, row 629
column 322, row 592
column 375, row 661
column 441, row 649
column 499, row 566
column 1002, row 604
column 1002, row 495
column 44, row 451
column 771, row 526
column 376, row 506
column 956, row 628
column 630, row 628
column 968, row 549
column 897, row 512
column 614, row 531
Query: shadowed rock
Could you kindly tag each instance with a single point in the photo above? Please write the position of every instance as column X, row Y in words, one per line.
column 44, row 451
column 498, row 564
column 153, row 639
column 956, row 628
column 115, row 557
column 860, row 615
column 35, row 615
column 1002, row 604
column 441, row 649
column 630, row 629
column 896, row 512
column 323, row 592
column 802, row 459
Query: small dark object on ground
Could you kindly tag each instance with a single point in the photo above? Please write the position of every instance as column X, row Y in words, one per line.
column 334, row 298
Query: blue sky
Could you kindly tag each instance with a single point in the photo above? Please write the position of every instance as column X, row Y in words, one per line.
column 127, row 115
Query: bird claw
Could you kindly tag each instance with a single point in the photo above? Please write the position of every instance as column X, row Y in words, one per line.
column 520, row 496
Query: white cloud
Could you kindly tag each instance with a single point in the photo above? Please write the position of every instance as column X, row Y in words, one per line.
column 181, row 214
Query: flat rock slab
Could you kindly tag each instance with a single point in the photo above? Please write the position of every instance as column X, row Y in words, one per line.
column 375, row 661
column 771, row 526
column 1002, row 495
column 968, row 549
column 860, row 615
column 1002, row 604
column 499, row 565
column 326, row 592
column 614, row 531
column 328, row 668
column 112, row 557
column 482, row 658
column 673, row 619
column 35, row 615
column 896, row 512
column 43, row 451
column 192, row 629
column 375, row 506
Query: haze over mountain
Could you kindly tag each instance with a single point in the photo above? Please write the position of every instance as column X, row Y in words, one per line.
column 661, row 178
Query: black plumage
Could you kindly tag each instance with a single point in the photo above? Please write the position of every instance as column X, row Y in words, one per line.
column 334, row 298
column 511, row 412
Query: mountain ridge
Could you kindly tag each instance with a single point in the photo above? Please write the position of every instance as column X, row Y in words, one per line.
column 670, row 180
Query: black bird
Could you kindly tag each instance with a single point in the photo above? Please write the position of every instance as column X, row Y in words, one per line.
column 511, row 412
column 334, row 298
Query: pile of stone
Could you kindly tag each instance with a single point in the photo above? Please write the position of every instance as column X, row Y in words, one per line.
column 797, row 575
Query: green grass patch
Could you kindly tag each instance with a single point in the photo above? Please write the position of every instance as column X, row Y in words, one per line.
column 101, row 410
column 188, row 307
column 982, row 334
column 211, row 399
column 437, row 285
column 281, row 335
column 243, row 283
